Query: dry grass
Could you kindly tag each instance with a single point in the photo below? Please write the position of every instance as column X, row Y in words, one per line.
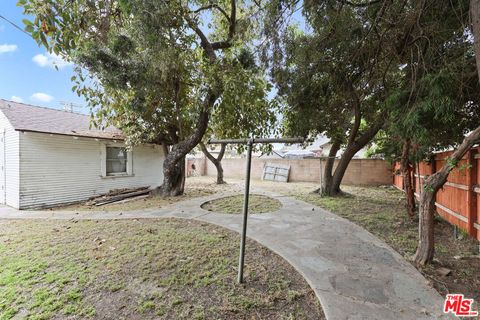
column 142, row 269
column 194, row 188
column 234, row 204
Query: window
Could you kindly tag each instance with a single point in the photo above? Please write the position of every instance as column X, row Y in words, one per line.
column 116, row 161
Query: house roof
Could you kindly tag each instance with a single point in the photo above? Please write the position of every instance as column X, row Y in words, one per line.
column 25, row 117
column 319, row 142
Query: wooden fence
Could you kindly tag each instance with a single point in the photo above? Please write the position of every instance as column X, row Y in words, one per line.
column 458, row 201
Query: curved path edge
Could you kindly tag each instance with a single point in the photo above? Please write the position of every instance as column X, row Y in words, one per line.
column 355, row 275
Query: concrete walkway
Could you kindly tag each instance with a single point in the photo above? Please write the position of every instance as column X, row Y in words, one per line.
column 354, row 274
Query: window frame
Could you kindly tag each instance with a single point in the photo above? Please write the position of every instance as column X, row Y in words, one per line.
column 103, row 164
column 116, row 173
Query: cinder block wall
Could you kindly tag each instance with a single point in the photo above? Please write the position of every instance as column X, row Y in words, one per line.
column 200, row 166
column 372, row 172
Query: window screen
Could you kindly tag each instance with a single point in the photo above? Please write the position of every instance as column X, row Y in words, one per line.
column 116, row 160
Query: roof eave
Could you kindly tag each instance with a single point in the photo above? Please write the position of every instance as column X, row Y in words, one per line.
column 72, row 135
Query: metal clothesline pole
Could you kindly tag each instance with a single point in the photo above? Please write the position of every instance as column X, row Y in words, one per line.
column 249, row 143
column 241, row 258
column 258, row 140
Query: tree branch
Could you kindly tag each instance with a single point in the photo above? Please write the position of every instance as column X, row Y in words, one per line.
column 222, row 152
column 206, row 152
column 370, row 133
column 183, row 147
column 204, row 42
column 209, row 155
column 361, row 5
column 213, row 6
column 208, row 46
column 231, row 29
column 356, row 113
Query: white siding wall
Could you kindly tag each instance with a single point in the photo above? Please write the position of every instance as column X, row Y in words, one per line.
column 58, row 169
column 11, row 162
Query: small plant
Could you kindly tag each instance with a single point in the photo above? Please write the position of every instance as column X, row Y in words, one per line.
column 74, row 294
column 428, row 188
column 451, row 162
column 464, row 167
column 293, row 295
column 146, row 305
column 177, row 301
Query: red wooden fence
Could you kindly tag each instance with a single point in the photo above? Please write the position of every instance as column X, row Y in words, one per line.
column 458, row 201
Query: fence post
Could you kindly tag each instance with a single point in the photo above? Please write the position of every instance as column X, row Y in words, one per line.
column 471, row 195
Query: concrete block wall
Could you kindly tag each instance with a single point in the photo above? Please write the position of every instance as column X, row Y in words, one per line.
column 372, row 172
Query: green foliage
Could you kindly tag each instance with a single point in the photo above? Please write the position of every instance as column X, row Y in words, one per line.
column 409, row 64
column 244, row 109
column 428, row 188
column 142, row 65
column 451, row 162
column 436, row 101
column 335, row 77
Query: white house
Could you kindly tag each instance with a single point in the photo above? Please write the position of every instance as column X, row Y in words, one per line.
column 50, row 157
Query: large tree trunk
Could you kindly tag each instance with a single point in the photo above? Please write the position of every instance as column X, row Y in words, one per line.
column 174, row 178
column 352, row 148
column 356, row 141
column 217, row 162
column 426, row 244
column 347, row 156
column 406, row 171
column 174, row 163
column 328, row 171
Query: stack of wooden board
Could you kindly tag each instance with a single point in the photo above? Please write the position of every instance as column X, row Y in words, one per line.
column 120, row 195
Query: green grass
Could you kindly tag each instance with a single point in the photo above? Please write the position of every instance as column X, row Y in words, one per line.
column 234, row 204
column 165, row 268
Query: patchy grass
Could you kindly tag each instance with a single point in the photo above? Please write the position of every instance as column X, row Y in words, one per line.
column 234, row 204
column 142, row 269
column 381, row 210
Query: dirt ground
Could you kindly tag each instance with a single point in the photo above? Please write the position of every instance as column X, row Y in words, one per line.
column 142, row 269
column 194, row 188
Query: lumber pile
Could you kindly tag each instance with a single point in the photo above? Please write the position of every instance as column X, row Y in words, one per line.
column 119, row 196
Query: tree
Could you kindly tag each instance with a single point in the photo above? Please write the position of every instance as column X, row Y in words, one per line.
column 426, row 244
column 147, row 66
column 394, row 149
column 436, row 101
column 243, row 112
column 217, row 162
column 339, row 74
